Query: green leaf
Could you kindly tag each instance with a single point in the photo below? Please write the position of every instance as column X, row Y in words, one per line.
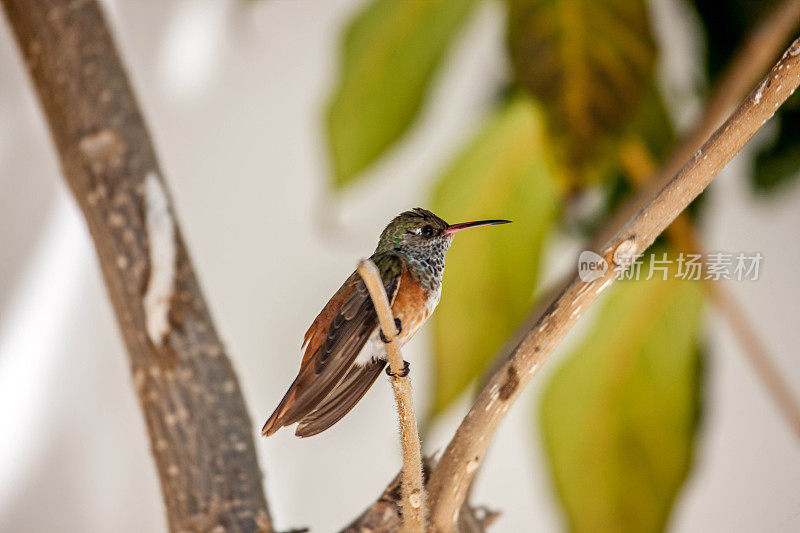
column 589, row 61
column 491, row 272
column 652, row 124
column 390, row 52
column 653, row 127
column 619, row 416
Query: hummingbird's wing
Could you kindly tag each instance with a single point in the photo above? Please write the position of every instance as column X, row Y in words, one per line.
column 341, row 399
column 329, row 359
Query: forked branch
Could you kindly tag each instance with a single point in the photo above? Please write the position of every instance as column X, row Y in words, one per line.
column 412, row 488
column 451, row 479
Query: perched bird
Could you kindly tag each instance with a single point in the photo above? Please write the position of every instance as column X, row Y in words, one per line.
column 344, row 347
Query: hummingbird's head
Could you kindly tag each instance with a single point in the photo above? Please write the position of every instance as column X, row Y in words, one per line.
column 420, row 230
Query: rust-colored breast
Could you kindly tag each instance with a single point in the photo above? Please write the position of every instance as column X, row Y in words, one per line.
column 410, row 305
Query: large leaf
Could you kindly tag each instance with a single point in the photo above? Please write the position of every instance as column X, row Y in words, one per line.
column 390, row 52
column 779, row 162
column 650, row 128
column 651, row 123
column 620, row 415
column 589, row 61
column 491, row 272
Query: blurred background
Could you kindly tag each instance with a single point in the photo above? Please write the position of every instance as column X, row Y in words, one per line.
column 290, row 132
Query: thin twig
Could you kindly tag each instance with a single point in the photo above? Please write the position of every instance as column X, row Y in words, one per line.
column 384, row 515
column 450, row 480
column 748, row 338
column 749, row 63
column 413, row 500
column 638, row 164
column 751, row 59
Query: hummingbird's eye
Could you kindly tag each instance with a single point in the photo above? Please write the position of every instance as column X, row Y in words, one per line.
column 427, row 231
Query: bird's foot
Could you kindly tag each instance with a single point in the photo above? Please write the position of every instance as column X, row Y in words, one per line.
column 397, row 324
column 406, row 370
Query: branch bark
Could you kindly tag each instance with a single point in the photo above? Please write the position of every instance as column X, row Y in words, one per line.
column 199, row 430
column 753, row 58
column 749, row 63
column 450, row 480
column 413, row 499
column 638, row 165
column 383, row 516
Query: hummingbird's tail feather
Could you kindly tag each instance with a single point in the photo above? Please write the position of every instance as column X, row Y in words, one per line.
column 308, row 390
column 277, row 420
column 341, row 399
column 335, row 344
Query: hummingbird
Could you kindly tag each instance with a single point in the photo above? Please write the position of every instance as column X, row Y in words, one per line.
column 344, row 349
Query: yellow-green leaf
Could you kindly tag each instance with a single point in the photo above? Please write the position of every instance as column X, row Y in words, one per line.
column 390, row 52
column 619, row 416
column 491, row 272
column 589, row 62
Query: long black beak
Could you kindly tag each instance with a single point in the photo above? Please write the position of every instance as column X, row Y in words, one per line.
column 453, row 228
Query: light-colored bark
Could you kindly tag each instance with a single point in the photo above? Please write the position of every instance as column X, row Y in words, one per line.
column 745, row 69
column 413, row 502
column 752, row 59
column 451, row 479
column 383, row 516
column 638, row 166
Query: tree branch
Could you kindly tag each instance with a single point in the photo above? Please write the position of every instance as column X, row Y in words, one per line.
column 746, row 67
column 383, row 516
column 451, row 479
column 639, row 165
column 413, row 500
column 200, row 432
column 750, row 61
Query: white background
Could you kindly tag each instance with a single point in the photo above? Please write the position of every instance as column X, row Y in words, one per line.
column 233, row 93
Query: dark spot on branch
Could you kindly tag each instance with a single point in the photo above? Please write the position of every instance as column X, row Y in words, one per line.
column 177, row 312
column 511, row 383
column 165, row 356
